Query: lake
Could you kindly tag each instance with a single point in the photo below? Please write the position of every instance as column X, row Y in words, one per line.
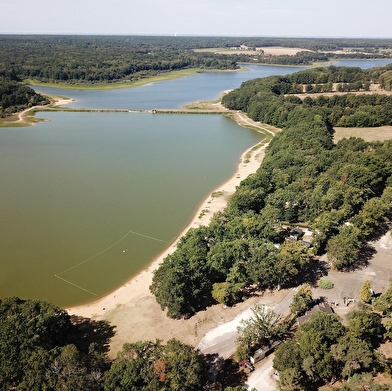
column 114, row 189
column 89, row 199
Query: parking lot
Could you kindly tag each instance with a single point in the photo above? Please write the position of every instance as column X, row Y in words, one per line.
column 347, row 285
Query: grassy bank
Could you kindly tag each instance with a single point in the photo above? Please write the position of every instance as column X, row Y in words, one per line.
column 119, row 85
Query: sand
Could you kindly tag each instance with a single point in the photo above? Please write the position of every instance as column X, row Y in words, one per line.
column 132, row 309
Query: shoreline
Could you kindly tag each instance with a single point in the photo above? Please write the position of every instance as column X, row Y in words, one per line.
column 249, row 162
column 133, row 310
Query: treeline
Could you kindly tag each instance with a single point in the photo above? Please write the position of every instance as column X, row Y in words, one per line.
column 272, row 100
column 304, row 58
column 343, row 192
column 15, row 97
column 325, row 349
column 91, row 59
column 100, row 58
column 43, row 348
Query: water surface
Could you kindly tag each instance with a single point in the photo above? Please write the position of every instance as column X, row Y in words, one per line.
column 94, row 197
column 89, row 199
column 169, row 94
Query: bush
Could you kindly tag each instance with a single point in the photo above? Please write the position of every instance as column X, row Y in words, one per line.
column 325, row 284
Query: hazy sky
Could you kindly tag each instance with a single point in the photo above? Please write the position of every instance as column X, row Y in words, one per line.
column 303, row 18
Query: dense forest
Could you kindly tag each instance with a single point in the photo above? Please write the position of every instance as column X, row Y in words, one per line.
column 15, row 97
column 342, row 192
column 91, row 59
column 100, row 59
column 43, row 348
column 327, row 349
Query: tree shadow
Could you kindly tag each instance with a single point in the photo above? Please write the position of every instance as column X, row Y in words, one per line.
column 318, row 268
column 226, row 372
column 365, row 255
column 378, row 233
column 89, row 331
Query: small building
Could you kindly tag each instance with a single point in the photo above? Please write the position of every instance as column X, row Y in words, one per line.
column 322, row 306
column 295, row 233
column 264, row 351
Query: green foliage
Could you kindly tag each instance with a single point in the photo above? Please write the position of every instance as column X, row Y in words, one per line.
column 263, row 99
column 323, row 349
column 343, row 249
column 364, row 326
column 302, row 300
column 360, row 382
column 153, row 366
column 263, row 327
column 383, row 303
column 81, row 59
column 41, row 349
column 226, row 292
column 341, row 191
column 15, row 97
column 365, row 294
column 352, row 356
column 325, row 284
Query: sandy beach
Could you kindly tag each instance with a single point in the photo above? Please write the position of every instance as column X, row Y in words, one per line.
column 132, row 309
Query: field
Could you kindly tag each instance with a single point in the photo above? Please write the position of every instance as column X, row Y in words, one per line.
column 381, row 133
column 271, row 50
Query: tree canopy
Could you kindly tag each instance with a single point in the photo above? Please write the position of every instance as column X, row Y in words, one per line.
column 341, row 191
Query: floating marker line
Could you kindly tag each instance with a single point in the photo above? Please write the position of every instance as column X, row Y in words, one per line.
column 77, row 286
column 148, row 237
column 108, row 248
column 100, row 253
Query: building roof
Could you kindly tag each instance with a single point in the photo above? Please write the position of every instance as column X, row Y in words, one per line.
column 323, row 307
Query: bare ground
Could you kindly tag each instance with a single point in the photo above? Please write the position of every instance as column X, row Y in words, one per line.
column 381, row 133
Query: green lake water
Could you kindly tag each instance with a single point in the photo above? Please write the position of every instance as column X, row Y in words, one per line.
column 89, row 199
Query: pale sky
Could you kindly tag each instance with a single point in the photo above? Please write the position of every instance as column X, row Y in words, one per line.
column 278, row 18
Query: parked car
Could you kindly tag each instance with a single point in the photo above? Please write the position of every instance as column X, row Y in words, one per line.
column 247, row 365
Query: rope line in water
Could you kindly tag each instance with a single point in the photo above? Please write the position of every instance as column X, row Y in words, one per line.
column 108, row 248
column 100, row 253
column 77, row 286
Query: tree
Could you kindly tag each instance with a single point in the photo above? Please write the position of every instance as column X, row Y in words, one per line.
column 343, row 249
column 262, row 327
column 315, row 338
column 364, row 326
column 366, row 292
column 287, row 356
column 293, row 259
column 352, row 355
column 226, row 293
column 153, row 366
column 384, row 301
column 40, row 348
column 302, row 300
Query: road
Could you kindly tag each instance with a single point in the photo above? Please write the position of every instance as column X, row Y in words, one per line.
column 263, row 378
column 222, row 341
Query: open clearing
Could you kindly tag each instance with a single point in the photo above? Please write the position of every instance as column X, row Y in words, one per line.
column 269, row 51
column 381, row 133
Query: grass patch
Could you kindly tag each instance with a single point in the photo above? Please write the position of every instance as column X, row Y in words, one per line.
column 203, row 213
column 217, row 194
column 325, row 284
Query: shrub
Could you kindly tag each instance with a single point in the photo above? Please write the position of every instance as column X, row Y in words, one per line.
column 325, row 284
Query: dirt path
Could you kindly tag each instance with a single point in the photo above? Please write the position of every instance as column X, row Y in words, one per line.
column 22, row 117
